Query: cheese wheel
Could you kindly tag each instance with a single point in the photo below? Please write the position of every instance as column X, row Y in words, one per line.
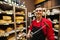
column 20, row 27
column 2, row 21
column 6, row 18
column 9, row 29
column 56, row 26
column 2, row 32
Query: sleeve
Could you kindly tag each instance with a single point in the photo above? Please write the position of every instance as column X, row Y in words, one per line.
column 31, row 26
column 50, row 32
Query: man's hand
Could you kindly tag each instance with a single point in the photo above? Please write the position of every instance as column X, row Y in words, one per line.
column 28, row 35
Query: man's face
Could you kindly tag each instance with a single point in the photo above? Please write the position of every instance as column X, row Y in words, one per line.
column 39, row 12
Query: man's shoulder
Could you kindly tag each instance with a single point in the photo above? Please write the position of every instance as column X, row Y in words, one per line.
column 47, row 20
column 44, row 19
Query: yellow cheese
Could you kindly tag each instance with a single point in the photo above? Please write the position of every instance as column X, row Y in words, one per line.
column 21, row 20
column 8, row 21
column 22, row 12
column 56, row 26
column 20, row 27
column 9, row 29
column 2, row 32
column 6, row 18
column 2, row 21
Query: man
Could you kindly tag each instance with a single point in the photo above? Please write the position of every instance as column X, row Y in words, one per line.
column 41, row 23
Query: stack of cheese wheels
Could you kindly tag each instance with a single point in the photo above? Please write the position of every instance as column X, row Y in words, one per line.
column 19, row 19
column 7, row 19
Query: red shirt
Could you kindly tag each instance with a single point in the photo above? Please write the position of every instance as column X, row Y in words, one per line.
column 48, row 31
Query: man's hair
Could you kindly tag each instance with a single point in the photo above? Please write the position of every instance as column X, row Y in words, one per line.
column 40, row 8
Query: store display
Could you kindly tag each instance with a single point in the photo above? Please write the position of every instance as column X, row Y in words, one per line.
column 7, row 17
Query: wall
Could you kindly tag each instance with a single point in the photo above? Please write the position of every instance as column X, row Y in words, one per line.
column 29, row 4
column 50, row 3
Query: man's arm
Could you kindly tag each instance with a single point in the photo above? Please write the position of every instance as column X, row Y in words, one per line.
column 29, row 32
column 50, row 32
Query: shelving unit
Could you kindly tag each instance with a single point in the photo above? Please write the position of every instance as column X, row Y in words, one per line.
column 15, row 26
column 55, row 20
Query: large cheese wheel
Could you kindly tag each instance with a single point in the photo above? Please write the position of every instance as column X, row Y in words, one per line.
column 6, row 18
column 9, row 29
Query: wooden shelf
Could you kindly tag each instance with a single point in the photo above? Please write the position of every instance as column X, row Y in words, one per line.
column 6, row 6
column 12, row 23
column 11, row 14
column 21, row 14
column 7, row 23
column 13, row 9
column 53, row 15
column 13, row 31
column 54, row 7
column 20, row 22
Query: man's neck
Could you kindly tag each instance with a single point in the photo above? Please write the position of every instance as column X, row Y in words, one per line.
column 39, row 19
